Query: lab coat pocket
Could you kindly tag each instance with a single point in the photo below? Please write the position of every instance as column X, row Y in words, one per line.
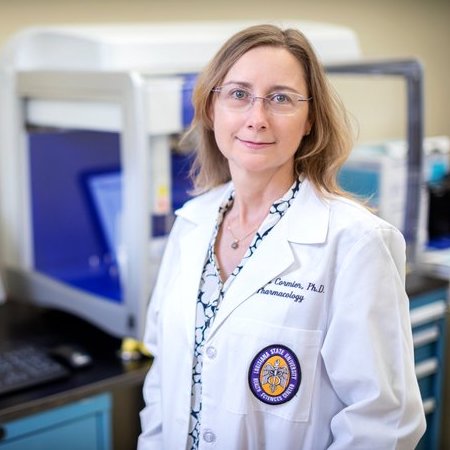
column 272, row 369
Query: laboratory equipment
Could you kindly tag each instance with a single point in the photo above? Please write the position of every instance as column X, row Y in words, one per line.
column 378, row 172
column 88, row 179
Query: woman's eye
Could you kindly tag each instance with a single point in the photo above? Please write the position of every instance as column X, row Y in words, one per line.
column 281, row 98
column 238, row 94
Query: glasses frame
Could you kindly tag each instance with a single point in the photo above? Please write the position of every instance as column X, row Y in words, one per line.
column 265, row 99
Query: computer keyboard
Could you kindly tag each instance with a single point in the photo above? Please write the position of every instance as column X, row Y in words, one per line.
column 26, row 366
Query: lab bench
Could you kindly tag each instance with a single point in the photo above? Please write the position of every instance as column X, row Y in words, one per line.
column 96, row 408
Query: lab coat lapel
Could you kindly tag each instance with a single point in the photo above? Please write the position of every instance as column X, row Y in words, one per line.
column 306, row 222
column 271, row 258
column 193, row 250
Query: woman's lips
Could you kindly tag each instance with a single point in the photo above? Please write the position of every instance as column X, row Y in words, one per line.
column 254, row 144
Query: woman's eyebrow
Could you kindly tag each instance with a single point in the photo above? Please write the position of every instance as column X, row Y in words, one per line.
column 274, row 88
column 238, row 83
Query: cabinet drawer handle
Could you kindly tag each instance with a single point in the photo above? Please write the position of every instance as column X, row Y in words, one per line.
column 424, row 337
column 428, row 313
column 429, row 405
column 427, row 367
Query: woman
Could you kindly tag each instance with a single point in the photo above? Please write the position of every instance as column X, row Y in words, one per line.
column 279, row 319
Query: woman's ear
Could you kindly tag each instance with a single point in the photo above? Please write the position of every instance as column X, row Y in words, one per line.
column 308, row 127
column 210, row 115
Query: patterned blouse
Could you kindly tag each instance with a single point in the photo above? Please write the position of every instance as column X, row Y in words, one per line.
column 212, row 291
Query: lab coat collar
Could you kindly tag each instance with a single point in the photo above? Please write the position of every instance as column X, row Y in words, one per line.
column 205, row 207
column 307, row 218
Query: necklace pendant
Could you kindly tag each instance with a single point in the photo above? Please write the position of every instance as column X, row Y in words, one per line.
column 235, row 244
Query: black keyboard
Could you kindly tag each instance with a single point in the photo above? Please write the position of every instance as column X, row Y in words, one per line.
column 26, row 366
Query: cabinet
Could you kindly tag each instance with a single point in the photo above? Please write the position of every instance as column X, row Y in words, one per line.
column 428, row 317
column 81, row 425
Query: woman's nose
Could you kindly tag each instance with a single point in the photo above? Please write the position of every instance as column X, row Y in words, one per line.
column 257, row 115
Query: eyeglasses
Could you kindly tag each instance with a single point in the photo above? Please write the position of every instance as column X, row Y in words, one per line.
column 236, row 98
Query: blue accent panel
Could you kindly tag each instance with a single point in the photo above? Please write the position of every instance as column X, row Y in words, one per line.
column 425, row 351
column 181, row 182
column 425, row 299
column 427, row 386
column 76, row 187
column 81, row 425
column 364, row 183
column 188, row 109
column 69, row 242
column 441, row 242
column 104, row 194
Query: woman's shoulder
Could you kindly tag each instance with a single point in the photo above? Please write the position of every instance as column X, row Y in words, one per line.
column 343, row 211
column 351, row 214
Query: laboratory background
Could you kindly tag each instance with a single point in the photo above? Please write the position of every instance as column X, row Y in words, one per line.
column 115, row 129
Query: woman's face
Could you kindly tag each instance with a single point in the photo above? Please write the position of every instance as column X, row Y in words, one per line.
column 257, row 140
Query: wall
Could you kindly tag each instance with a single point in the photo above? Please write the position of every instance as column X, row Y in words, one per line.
column 386, row 29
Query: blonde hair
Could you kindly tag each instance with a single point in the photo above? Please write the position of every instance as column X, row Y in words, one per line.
column 320, row 154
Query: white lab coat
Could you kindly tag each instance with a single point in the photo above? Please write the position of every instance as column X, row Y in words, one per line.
column 346, row 319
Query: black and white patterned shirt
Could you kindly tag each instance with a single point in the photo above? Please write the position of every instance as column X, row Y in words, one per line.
column 212, row 291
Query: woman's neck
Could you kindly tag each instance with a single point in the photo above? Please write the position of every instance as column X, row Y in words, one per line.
column 254, row 197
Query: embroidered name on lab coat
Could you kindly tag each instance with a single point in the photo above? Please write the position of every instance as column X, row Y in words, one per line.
column 274, row 375
column 290, row 289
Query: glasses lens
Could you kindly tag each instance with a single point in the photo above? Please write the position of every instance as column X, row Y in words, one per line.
column 283, row 103
column 236, row 98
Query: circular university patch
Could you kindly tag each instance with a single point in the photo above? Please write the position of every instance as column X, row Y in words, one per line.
column 275, row 375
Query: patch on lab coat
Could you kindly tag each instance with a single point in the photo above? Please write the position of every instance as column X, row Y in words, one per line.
column 274, row 375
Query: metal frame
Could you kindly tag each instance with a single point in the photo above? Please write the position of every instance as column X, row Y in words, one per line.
column 125, row 90
column 412, row 71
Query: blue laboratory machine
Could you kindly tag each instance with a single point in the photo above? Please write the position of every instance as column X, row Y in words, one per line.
column 89, row 177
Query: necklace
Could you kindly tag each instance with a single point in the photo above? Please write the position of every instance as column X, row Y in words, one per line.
column 235, row 244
